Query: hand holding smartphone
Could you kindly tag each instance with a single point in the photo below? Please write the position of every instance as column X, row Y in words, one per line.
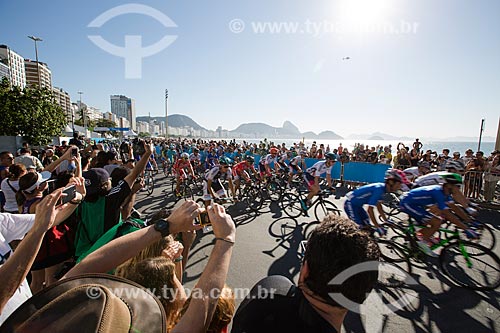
column 68, row 194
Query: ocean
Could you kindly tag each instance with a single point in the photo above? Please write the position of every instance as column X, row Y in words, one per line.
column 438, row 146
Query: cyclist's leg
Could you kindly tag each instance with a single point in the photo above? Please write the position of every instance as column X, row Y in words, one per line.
column 357, row 214
column 423, row 218
column 207, row 198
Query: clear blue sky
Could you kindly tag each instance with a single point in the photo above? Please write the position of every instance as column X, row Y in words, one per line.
column 439, row 81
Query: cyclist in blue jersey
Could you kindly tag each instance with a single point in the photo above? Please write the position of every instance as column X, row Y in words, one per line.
column 429, row 206
column 371, row 195
column 313, row 174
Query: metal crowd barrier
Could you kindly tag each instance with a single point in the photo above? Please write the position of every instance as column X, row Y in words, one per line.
column 473, row 184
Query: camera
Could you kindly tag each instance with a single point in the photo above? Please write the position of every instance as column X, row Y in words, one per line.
column 74, row 151
column 70, row 192
column 203, row 219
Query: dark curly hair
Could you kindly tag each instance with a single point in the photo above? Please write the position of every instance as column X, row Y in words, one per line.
column 335, row 245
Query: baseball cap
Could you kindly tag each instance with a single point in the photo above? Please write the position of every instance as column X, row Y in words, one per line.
column 90, row 303
column 94, row 178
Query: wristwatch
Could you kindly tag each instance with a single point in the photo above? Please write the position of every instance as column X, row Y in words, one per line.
column 163, row 227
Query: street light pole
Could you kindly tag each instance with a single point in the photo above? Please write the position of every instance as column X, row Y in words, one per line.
column 83, row 113
column 166, row 114
column 37, row 39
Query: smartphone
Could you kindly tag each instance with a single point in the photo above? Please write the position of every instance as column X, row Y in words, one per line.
column 70, row 192
column 74, row 151
column 203, row 219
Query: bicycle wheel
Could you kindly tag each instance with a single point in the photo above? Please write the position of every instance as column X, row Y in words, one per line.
column 253, row 198
column 282, row 228
column 186, row 192
column 290, row 204
column 323, row 208
column 149, row 182
column 391, row 251
column 486, row 235
column 197, row 186
column 470, row 265
column 273, row 191
column 310, row 228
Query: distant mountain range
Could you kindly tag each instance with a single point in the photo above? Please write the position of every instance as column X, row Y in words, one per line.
column 289, row 130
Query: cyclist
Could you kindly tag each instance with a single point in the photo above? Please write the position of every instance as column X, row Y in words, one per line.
column 195, row 159
column 180, row 167
column 212, row 181
column 435, row 178
column 297, row 163
column 264, row 163
column 428, row 205
column 371, row 195
column 239, row 171
column 412, row 173
column 313, row 174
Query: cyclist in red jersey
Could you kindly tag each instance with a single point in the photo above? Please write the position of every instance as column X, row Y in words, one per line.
column 179, row 168
column 239, row 171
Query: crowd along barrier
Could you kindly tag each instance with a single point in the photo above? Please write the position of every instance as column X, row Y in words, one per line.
column 355, row 172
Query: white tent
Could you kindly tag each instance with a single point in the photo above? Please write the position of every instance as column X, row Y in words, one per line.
column 130, row 133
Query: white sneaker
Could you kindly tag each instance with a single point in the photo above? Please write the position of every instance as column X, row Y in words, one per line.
column 422, row 244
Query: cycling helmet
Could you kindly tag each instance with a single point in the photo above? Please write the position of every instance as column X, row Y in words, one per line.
column 330, row 156
column 451, row 178
column 250, row 158
column 404, row 180
column 224, row 161
column 196, row 150
column 393, row 174
column 303, row 152
column 185, row 156
column 273, row 150
column 424, row 164
column 454, row 164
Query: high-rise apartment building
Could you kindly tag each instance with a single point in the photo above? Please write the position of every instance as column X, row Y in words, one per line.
column 4, row 71
column 38, row 73
column 124, row 107
column 15, row 63
column 62, row 98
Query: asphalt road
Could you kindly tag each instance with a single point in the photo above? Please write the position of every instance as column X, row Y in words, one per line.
column 434, row 304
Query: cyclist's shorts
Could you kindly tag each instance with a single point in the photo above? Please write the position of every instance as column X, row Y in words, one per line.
column 309, row 180
column 419, row 214
column 293, row 168
column 262, row 168
column 217, row 187
column 357, row 214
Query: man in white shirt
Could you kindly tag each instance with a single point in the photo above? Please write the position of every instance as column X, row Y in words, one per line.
column 14, row 266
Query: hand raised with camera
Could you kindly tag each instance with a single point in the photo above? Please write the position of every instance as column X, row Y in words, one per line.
column 80, row 186
column 222, row 223
column 46, row 210
column 148, row 147
column 138, row 184
column 182, row 218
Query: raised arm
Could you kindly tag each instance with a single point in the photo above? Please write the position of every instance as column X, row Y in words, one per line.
column 123, row 248
column 54, row 164
column 201, row 309
column 140, row 166
column 16, row 268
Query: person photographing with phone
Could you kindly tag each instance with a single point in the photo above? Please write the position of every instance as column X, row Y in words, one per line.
column 14, row 266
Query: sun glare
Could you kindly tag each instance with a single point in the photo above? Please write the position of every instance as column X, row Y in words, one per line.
column 356, row 12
